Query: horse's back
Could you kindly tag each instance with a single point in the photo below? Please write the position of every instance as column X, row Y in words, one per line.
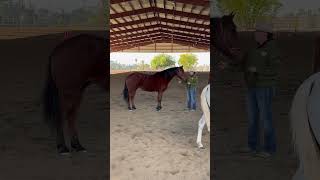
column 146, row 82
column 313, row 106
column 78, row 59
column 304, row 110
column 134, row 79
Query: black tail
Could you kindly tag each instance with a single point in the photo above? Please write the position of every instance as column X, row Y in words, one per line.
column 51, row 102
column 125, row 93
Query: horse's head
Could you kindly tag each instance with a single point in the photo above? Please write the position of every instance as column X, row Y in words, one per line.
column 225, row 35
column 180, row 73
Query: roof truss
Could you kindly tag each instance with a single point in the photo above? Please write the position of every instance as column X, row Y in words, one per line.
column 135, row 23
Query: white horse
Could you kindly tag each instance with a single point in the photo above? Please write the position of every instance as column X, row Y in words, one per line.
column 205, row 118
column 305, row 124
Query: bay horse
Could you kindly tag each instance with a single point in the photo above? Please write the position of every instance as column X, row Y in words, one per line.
column 157, row 82
column 305, row 123
column 73, row 65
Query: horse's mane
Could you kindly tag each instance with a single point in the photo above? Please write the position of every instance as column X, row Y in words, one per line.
column 167, row 73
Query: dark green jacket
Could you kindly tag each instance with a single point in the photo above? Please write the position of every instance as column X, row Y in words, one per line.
column 264, row 61
column 192, row 81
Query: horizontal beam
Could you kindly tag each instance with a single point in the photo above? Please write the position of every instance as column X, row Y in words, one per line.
column 159, row 10
column 193, row 2
column 155, row 37
column 162, row 40
column 160, row 26
column 148, row 33
column 136, row 40
column 151, row 37
column 159, row 19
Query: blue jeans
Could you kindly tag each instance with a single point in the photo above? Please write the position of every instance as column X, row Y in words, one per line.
column 260, row 108
column 191, row 98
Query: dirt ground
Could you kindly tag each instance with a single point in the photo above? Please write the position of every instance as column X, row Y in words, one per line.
column 27, row 148
column 230, row 120
column 146, row 144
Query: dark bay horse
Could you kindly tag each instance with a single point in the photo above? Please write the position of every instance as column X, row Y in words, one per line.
column 224, row 38
column 157, row 82
column 224, row 35
column 73, row 65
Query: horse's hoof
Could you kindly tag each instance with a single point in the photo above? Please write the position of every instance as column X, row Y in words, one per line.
column 158, row 108
column 78, row 148
column 63, row 150
column 200, row 146
column 134, row 108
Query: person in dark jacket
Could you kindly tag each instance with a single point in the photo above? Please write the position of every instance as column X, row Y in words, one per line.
column 260, row 67
column 191, row 85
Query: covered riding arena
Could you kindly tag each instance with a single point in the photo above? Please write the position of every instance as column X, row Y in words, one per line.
column 146, row 144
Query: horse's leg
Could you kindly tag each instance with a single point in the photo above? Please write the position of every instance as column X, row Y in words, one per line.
column 72, row 116
column 132, row 100
column 159, row 100
column 202, row 122
column 61, row 144
column 299, row 174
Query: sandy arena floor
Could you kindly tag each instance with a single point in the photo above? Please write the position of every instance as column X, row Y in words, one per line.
column 146, row 144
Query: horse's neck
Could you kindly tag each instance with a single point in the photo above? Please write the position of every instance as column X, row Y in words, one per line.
column 170, row 77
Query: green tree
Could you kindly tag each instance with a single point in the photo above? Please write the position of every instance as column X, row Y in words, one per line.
column 162, row 61
column 188, row 61
column 249, row 11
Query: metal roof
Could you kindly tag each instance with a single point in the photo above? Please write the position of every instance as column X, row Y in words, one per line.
column 159, row 25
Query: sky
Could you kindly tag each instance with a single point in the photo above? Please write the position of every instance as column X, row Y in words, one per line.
column 129, row 58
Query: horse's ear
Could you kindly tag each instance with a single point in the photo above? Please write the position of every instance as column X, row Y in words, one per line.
column 232, row 14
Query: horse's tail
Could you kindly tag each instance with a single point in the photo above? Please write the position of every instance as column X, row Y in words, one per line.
column 125, row 93
column 51, row 108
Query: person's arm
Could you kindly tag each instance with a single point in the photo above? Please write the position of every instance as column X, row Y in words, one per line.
column 237, row 66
